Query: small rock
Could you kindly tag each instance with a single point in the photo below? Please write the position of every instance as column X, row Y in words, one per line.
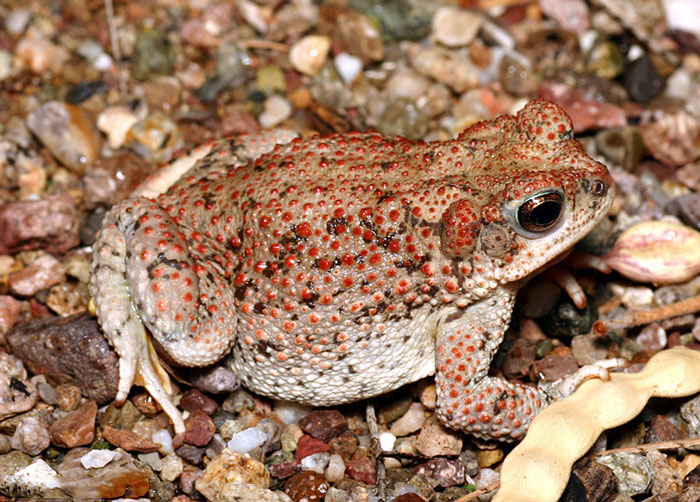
column 347, row 66
column 50, row 224
column 128, row 440
column 231, row 467
column 642, row 80
column 434, row 439
column 572, row 15
column 153, row 54
column 585, row 113
column 336, row 468
column 171, row 467
column 68, row 298
column 95, row 459
column 40, row 54
column 456, row 27
column 633, row 471
column 112, row 179
column 567, row 320
column 308, row 446
column 277, row 110
column 409, row 422
column 200, row 428
column 444, row 472
column 145, row 403
column 520, row 355
column 154, row 138
column 115, row 122
column 662, row 429
column 17, row 393
column 188, row 477
column 621, row 145
column 162, row 93
column 386, row 441
column 344, row 445
column 152, row 460
column 309, row 54
column 357, row 35
column 652, row 337
column 590, row 481
column 192, row 454
column 115, row 479
column 43, row 273
column 47, row 393
column 407, row 83
column 316, row 462
column 403, row 117
column 9, row 314
column 245, row 492
column 588, row 349
column 487, row 458
column 516, row 75
column 323, row 424
column 686, row 207
column 289, row 412
column 362, row 469
column 672, row 139
column 67, row 396
column 69, row 350
column 247, row 440
column 306, row 486
column 68, row 132
column 194, row 400
column 30, row 437
column 75, row 429
column 163, row 440
column 553, row 367
column 444, row 66
column 215, row 379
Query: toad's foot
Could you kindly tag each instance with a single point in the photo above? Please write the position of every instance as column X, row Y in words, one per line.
column 145, row 274
column 562, row 276
column 566, row 386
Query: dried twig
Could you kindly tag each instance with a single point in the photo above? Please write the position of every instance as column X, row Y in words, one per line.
column 661, row 445
column 683, row 307
column 264, row 44
column 477, row 493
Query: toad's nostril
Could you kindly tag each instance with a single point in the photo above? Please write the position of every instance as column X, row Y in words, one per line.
column 596, row 187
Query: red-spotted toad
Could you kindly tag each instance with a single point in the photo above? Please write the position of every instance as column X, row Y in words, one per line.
column 337, row 268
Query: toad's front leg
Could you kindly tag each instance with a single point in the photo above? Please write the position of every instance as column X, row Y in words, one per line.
column 469, row 399
column 147, row 272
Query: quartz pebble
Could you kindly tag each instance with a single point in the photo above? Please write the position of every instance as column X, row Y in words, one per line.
column 277, row 110
column 246, row 440
column 336, row 468
column 316, row 462
column 231, row 467
column 30, row 436
column 455, row 27
column 152, row 460
column 172, row 466
column 289, row 412
column 309, row 54
column 115, row 122
column 347, row 66
column 163, row 439
column 98, row 458
column 444, row 66
column 410, row 422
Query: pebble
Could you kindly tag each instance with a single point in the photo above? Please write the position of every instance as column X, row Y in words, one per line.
column 652, row 337
column 231, row 467
column 154, row 138
column 455, row 27
column 323, row 424
column 188, row 476
column 518, row 358
column 200, row 428
column 276, row 110
column 435, row 439
column 289, row 412
column 43, row 273
column 162, row 94
column 17, row 394
column 119, row 477
column 77, row 428
column 672, row 138
column 387, row 441
column 443, row 472
column 403, row 117
column 347, row 66
column 68, row 298
column 336, row 468
column 409, row 422
column 245, row 492
column 67, row 396
column 153, row 54
column 95, row 54
column 30, row 437
column 633, row 471
column 588, row 349
column 68, row 132
column 316, row 462
column 345, row 445
column 359, row 36
column 590, row 480
column 566, row 320
column 128, row 440
column 308, row 446
column 642, row 80
column 306, row 486
column 190, row 453
column 172, row 466
column 39, row 54
column 152, row 460
column 216, row 379
column 164, row 440
column 686, row 207
column 94, row 459
column 193, row 400
column 487, row 458
column 69, row 350
column 9, row 315
column 246, row 440
column 553, row 367
column 443, row 65
column 571, row 15
column 5, row 64
column 50, row 224
column 362, row 469
column 309, row 54
column 115, row 122
column 17, row 20
column 538, row 298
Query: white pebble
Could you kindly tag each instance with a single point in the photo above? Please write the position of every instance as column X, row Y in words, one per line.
column 172, row 467
column 410, row 421
column 94, row 459
column 387, row 441
column 247, row 440
column 348, row 66
column 152, row 460
column 5, row 64
column 336, row 468
column 277, row 109
column 290, row 413
column 162, row 438
column 115, row 122
column 309, row 54
column 17, row 20
column 316, row 462
column 37, row 476
column 455, row 27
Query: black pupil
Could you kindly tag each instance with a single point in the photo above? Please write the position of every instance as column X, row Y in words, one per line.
column 540, row 213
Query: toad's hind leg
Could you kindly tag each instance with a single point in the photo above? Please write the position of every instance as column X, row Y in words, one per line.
column 144, row 273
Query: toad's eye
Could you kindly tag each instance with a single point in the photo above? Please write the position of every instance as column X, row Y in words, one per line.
column 541, row 212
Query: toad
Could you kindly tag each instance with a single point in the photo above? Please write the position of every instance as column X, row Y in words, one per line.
column 333, row 269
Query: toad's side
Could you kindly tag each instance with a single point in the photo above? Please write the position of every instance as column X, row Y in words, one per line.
column 335, row 269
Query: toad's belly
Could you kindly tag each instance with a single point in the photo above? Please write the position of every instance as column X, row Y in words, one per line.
column 374, row 362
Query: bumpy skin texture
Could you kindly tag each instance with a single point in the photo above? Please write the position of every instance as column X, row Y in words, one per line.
column 337, row 268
